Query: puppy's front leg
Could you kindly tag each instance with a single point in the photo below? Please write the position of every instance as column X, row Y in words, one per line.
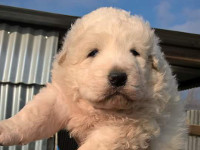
column 116, row 138
column 40, row 118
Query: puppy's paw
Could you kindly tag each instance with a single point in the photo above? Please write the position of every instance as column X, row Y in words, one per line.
column 1, row 135
column 8, row 135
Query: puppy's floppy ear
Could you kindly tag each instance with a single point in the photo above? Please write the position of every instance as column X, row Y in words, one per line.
column 157, row 57
column 153, row 62
column 156, row 62
column 61, row 57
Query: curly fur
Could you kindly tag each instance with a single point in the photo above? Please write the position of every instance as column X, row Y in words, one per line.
column 147, row 112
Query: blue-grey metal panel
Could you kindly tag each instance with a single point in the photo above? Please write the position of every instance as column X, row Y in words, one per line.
column 12, row 99
column 26, row 54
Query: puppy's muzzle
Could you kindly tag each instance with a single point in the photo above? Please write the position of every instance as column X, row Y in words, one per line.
column 117, row 78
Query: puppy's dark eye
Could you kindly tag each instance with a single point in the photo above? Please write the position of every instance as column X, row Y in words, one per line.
column 93, row 53
column 134, row 52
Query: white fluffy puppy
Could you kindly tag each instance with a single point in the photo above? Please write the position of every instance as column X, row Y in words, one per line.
column 111, row 88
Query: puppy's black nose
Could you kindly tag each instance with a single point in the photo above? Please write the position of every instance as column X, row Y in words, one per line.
column 117, row 78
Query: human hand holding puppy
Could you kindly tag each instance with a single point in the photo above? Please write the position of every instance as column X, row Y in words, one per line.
column 111, row 88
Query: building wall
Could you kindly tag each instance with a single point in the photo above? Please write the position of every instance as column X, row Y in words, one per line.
column 26, row 56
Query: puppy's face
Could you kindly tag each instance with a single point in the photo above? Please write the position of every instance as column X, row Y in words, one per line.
column 110, row 61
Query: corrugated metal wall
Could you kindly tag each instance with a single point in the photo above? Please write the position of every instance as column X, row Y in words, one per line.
column 193, row 142
column 26, row 55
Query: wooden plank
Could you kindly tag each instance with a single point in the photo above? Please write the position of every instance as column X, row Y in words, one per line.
column 185, row 74
column 182, row 56
column 187, row 77
column 22, row 15
column 178, row 38
column 194, row 130
column 192, row 83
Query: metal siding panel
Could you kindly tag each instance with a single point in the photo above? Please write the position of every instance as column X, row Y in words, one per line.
column 3, row 45
column 50, row 51
column 15, row 52
column 26, row 54
column 37, row 41
column 27, row 60
column 40, row 64
column 25, row 43
column 3, row 103
column 193, row 117
column 16, row 95
column 198, row 139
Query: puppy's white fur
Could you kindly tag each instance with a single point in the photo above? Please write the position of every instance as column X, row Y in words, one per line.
column 147, row 114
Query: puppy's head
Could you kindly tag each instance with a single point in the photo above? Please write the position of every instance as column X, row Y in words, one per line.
column 113, row 60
